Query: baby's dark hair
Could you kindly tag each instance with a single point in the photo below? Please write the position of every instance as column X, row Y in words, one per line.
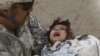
column 65, row 23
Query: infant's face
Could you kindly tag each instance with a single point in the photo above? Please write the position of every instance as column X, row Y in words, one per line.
column 58, row 33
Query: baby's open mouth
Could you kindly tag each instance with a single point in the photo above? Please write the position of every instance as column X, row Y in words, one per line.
column 56, row 34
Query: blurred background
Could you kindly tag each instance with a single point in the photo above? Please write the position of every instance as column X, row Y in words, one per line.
column 83, row 14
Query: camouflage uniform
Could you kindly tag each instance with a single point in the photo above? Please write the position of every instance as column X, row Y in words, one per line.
column 27, row 33
column 3, row 29
column 38, row 33
column 26, row 39
column 34, row 39
column 5, row 4
column 9, row 44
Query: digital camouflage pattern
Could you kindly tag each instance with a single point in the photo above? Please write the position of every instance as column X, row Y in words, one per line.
column 10, row 45
column 32, row 37
column 31, row 33
column 5, row 4
column 38, row 32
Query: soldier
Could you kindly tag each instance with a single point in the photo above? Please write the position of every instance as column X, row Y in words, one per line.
column 15, row 19
column 13, row 14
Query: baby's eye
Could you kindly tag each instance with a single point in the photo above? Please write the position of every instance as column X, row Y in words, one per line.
column 62, row 28
column 59, row 28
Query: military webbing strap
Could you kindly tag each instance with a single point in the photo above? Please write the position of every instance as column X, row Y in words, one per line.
column 6, row 39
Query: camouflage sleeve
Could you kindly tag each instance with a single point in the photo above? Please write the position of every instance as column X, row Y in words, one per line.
column 37, row 32
column 10, row 45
